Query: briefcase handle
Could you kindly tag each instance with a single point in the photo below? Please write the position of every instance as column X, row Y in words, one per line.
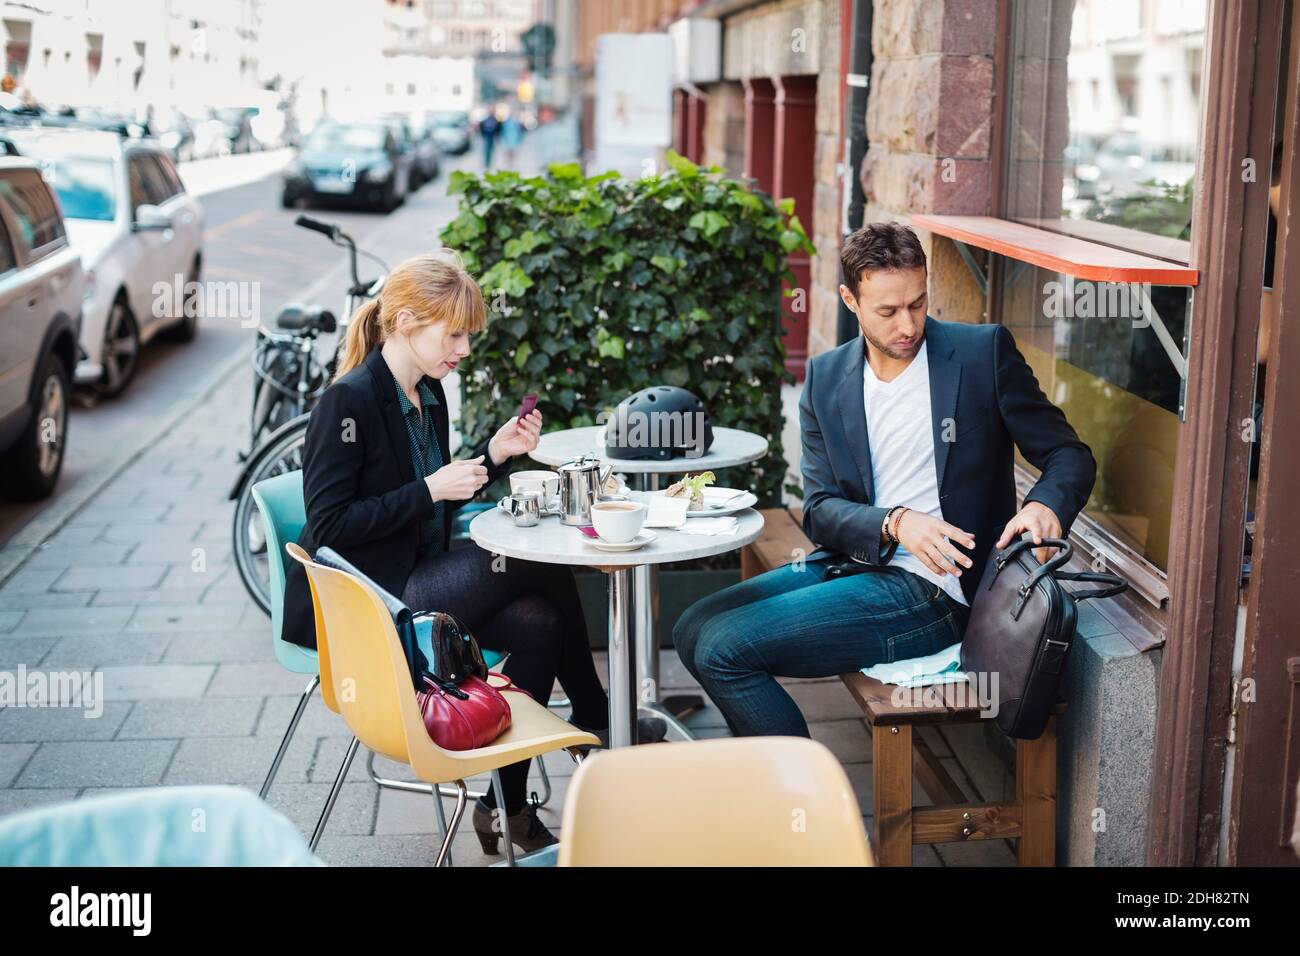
column 1116, row 584
column 1027, row 541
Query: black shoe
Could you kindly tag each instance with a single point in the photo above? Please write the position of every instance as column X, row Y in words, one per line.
column 526, row 830
column 649, row 730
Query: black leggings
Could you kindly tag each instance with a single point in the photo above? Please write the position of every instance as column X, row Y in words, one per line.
column 528, row 610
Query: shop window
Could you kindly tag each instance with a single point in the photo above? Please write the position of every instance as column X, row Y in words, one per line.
column 1098, row 357
column 1127, row 159
column 1115, row 167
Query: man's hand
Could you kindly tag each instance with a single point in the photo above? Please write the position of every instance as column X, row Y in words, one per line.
column 935, row 542
column 1040, row 521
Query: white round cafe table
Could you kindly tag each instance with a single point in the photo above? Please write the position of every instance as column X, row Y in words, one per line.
column 551, row 542
column 731, row 447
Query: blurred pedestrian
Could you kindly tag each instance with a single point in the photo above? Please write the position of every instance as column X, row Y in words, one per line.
column 512, row 134
column 488, row 130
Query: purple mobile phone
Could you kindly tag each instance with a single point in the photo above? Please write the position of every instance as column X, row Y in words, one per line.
column 526, row 409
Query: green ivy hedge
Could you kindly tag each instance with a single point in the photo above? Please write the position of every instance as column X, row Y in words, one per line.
column 598, row 287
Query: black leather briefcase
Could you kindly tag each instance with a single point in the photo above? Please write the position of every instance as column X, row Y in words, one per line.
column 1022, row 625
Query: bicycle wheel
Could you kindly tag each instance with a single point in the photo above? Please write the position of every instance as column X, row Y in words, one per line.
column 279, row 457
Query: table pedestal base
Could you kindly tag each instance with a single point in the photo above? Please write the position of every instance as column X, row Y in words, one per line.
column 676, row 730
column 646, row 642
column 622, row 675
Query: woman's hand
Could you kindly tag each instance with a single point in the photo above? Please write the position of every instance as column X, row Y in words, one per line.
column 516, row 437
column 458, row 481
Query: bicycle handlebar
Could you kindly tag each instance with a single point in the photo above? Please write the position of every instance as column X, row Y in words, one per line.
column 337, row 236
column 317, row 226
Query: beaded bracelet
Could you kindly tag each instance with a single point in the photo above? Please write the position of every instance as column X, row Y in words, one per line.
column 898, row 519
column 889, row 517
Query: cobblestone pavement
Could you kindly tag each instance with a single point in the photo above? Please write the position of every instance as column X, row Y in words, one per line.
column 138, row 585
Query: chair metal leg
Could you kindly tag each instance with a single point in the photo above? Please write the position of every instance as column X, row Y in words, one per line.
column 441, row 814
column 334, row 793
column 444, row 852
column 410, row 786
column 288, row 735
column 546, row 782
column 502, row 820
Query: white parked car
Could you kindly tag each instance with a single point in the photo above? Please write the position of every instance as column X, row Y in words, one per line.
column 40, row 306
column 135, row 226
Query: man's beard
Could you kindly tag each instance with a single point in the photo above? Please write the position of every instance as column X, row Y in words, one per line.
column 890, row 351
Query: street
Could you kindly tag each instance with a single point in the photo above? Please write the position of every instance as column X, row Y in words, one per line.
column 126, row 574
column 249, row 238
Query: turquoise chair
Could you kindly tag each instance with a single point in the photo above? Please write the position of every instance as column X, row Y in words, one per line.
column 155, row 826
column 284, row 515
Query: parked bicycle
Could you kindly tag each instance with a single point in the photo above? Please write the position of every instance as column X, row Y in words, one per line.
column 288, row 378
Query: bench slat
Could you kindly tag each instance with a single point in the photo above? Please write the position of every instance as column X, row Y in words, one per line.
column 944, row 824
column 875, row 700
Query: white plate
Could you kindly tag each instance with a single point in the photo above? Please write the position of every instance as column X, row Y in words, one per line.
column 640, row 541
column 747, row 499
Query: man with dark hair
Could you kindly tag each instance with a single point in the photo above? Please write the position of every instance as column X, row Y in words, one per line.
column 909, row 435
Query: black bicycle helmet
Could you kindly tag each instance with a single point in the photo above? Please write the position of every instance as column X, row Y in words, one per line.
column 660, row 423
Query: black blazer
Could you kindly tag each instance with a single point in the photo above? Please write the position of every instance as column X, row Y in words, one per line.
column 983, row 394
column 363, row 497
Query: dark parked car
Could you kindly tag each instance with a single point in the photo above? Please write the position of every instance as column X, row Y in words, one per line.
column 40, row 310
column 422, row 150
column 451, row 132
column 360, row 163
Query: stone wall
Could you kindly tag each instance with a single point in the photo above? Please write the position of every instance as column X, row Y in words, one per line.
column 930, row 126
column 824, row 297
column 724, row 127
column 777, row 39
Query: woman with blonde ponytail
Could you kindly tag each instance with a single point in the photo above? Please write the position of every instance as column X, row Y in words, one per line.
column 381, row 489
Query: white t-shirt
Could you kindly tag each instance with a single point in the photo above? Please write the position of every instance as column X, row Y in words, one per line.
column 901, row 433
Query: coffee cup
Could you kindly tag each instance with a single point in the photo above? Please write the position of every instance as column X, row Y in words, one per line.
column 545, row 484
column 617, row 522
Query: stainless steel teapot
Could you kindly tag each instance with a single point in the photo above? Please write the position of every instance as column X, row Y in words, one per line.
column 581, row 484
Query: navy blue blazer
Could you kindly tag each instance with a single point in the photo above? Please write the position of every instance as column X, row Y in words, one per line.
column 362, row 494
column 982, row 388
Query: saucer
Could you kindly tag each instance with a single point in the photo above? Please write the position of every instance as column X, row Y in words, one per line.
column 640, row 541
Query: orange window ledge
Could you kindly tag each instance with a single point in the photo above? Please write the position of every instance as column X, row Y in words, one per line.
column 1067, row 255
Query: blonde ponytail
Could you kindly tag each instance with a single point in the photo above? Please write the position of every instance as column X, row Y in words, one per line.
column 434, row 287
column 364, row 333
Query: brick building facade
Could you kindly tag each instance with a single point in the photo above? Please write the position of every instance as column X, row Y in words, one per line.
column 1047, row 144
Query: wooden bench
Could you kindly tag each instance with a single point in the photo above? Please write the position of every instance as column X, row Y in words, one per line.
column 782, row 536
column 898, row 755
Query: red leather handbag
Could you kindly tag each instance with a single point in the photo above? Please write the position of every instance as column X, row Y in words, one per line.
column 466, row 715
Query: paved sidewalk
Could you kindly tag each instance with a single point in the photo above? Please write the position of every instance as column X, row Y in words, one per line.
column 138, row 585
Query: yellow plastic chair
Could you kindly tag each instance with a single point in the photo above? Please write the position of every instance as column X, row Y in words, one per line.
column 751, row 801
column 365, row 678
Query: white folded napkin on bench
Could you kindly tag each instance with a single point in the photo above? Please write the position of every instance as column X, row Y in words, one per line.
column 941, row 667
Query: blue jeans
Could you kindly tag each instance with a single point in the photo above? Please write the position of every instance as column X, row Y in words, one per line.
column 802, row 623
